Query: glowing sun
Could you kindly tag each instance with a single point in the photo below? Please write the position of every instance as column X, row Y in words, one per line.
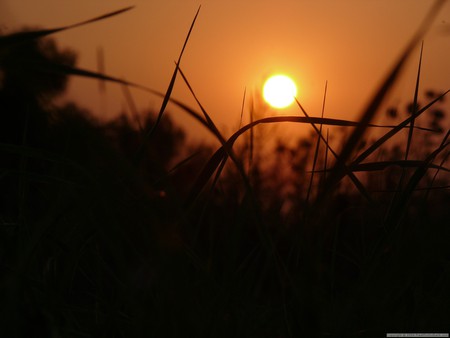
column 279, row 91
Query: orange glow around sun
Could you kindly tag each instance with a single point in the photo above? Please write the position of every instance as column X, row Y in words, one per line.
column 279, row 91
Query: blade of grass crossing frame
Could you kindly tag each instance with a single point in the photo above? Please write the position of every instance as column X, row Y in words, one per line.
column 316, row 152
column 350, row 174
column 150, row 132
column 252, row 135
column 228, row 149
column 242, row 107
column 414, row 108
column 215, row 130
column 325, row 162
column 101, row 17
column 410, row 134
column 211, row 125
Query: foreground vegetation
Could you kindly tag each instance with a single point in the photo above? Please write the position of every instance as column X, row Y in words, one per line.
column 123, row 230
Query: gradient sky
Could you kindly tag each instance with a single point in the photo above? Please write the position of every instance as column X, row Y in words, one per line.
column 236, row 44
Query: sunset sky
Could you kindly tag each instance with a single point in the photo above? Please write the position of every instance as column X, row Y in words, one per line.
column 237, row 44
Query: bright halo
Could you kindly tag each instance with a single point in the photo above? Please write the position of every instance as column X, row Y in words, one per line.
column 279, row 91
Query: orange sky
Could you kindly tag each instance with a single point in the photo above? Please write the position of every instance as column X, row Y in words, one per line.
column 236, row 44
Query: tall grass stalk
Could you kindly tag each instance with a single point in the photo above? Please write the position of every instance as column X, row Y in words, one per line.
column 316, row 152
column 166, row 99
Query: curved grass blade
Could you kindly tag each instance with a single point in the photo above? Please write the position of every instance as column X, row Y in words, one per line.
column 216, row 132
column 242, row 107
column 218, row 161
column 218, row 156
column 350, row 174
column 300, row 119
column 414, row 109
column 316, row 152
column 411, row 125
column 150, row 132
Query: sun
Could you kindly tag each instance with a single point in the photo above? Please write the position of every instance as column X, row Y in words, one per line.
column 279, row 91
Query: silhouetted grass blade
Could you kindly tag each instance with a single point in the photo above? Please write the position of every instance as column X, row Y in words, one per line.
column 394, row 131
column 218, row 156
column 414, row 107
column 242, row 107
column 205, row 175
column 216, row 132
column 168, row 92
column 22, row 37
column 316, row 152
column 211, row 125
column 350, row 174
